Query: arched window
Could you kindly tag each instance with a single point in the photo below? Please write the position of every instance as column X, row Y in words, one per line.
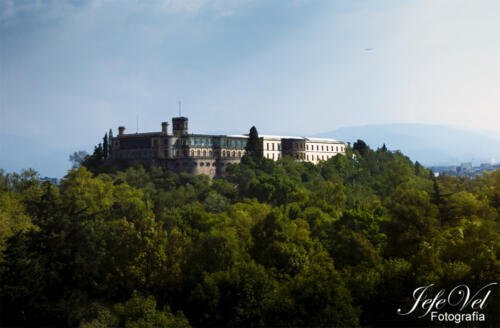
column 223, row 153
column 210, row 153
column 192, row 153
column 204, row 153
column 234, row 154
column 198, row 152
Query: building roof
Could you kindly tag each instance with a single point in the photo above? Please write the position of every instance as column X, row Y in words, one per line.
column 323, row 140
column 139, row 135
column 265, row 136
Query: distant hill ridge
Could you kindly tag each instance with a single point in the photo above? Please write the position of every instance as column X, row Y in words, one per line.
column 429, row 144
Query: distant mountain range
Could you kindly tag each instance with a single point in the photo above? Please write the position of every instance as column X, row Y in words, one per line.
column 431, row 145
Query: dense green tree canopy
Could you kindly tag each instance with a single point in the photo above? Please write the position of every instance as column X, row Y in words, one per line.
column 339, row 244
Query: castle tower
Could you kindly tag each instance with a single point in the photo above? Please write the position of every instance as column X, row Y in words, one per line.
column 180, row 126
column 164, row 127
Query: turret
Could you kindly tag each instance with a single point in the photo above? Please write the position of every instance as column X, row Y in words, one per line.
column 121, row 130
column 180, row 126
column 164, row 127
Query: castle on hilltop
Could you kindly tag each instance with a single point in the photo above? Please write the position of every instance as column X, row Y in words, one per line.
column 180, row 151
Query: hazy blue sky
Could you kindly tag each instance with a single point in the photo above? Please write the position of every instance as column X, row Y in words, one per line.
column 71, row 70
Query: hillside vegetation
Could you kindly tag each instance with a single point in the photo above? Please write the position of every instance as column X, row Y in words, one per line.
column 343, row 243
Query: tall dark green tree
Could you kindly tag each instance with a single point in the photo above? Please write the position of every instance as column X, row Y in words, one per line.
column 254, row 148
column 110, row 142
column 105, row 147
column 361, row 147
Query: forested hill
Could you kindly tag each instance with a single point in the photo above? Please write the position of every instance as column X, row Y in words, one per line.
column 340, row 244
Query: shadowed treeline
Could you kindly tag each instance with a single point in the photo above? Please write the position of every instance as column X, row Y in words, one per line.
column 343, row 243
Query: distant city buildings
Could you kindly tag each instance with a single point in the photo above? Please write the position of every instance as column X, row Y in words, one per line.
column 465, row 169
column 211, row 154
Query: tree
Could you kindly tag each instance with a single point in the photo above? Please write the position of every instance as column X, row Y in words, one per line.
column 140, row 311
column 361, row 147
column 110, row 142
column 254, row 148
column 77, row 158
column 105, row 146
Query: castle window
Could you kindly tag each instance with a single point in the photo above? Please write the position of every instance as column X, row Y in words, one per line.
column 273, row 154
column 273, row 146
column 307, row 147
column 223, row 153
column 192, row 153
column 312, row 157
column 234, row 154
column 267, row 145
column 202, row 164
column 321, row 148
column 198, row 153
column 210, row 153
column 204, row 153
column 279, row 146
column 307, row 157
